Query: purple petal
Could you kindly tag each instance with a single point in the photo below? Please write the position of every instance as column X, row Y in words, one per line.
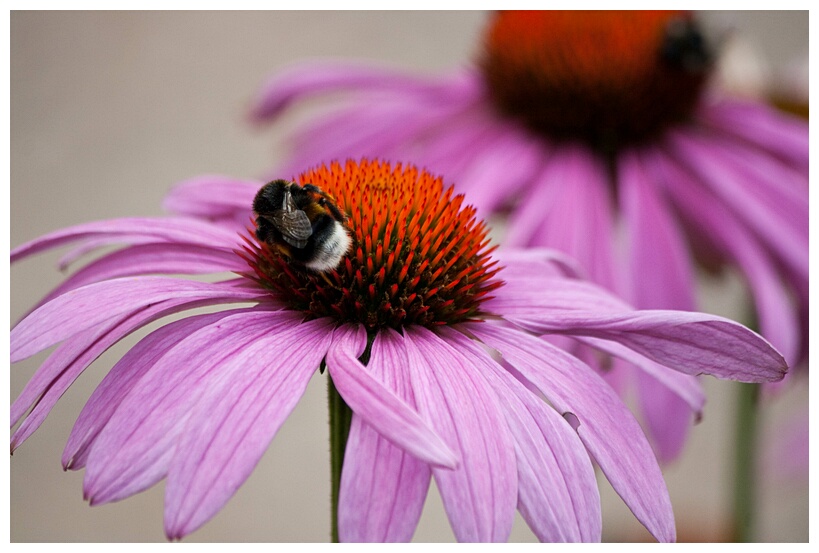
column 554, row 296
column 90, row 305
column 66, row 354
column 54, row 377
column 234, row 421
column 684, row 386
column 606, row 427
column 480, row 496
column 661, row 276
column 121, row 379
column 508, row 157
column 443, row 137
column 776, row 316
column 585, row 188
column 537, row 263
column 212, row 196
column 668, row 418
column 772, row 226
column 573, row 181
column 660, row 270
column 528, row 215
column 762, row 126
column 383, row 488
column 384, row 130
column 89, row 245
column 69, row 360
column 189, row 231
column 557, row 489
column 309, row 79
column 134, row 449
column 382, row 409
column 783, row 188
column 154, row 258
column 692, row 343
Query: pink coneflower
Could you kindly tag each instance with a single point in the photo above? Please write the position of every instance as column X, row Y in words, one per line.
column 593, row 132
column 434, row 346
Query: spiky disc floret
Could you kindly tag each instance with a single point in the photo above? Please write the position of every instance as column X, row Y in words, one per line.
column 418, row 256
column 609, row 77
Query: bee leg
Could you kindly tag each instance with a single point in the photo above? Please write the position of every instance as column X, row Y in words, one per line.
column 326, row 278
column 282, row 249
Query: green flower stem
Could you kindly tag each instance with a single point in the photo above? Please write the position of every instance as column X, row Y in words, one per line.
column 340, row 418
column 744, row 493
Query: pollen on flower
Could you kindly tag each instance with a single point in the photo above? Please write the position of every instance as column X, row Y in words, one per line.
column 609, row 78
column 418, row 256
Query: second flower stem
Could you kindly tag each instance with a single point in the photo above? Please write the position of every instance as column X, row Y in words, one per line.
column 745, row 450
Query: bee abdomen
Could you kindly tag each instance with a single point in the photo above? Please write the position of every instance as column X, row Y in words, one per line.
column 329, row 246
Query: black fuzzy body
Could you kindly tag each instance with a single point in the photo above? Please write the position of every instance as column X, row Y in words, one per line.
column 328, row 239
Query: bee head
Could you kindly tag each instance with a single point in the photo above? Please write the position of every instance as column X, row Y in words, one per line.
column 269, row 198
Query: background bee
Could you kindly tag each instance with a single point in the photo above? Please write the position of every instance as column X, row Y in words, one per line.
column 303, row 223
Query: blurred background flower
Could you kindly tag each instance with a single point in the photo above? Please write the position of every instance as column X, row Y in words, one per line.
column 595, row 133
column 110, row 109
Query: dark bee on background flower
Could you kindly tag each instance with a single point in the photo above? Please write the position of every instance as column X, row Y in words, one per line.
column 301, row 222
column 686, row 46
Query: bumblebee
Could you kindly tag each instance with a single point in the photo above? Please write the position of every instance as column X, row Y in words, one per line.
column 686, row 47
column 303, row 223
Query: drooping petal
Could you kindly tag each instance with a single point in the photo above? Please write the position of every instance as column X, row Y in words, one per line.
column 90, row 305
column 381, row 408
column 119, row 381
column 479, row 497
column 666, row 416
column 134, row 449
column 771, row 226
column 539, row 197
column 186, row 231
column 763, row 126
column 235, row 420
column 693, row 343
column 660, row 275
column 580, row 183
column 781, row 187
column 499, row 170
column 684, row 386
column 212, row 196
column 383, row 488
column 776, row 318
column 557, row 489
column 71, row 358
column 606, row 427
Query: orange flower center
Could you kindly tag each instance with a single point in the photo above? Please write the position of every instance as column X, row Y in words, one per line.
column 418, row 256
column 607, row 77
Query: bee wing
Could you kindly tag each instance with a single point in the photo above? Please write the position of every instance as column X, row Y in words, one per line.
column 294, row 226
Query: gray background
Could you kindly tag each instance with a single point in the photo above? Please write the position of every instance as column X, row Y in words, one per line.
column 109, row 109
